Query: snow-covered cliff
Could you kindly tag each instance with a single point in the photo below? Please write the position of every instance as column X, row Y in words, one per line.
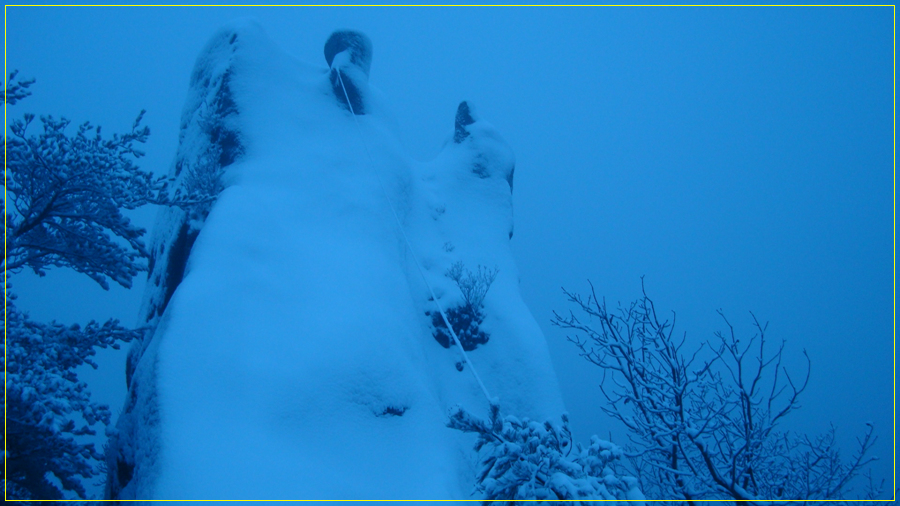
column 296, row 351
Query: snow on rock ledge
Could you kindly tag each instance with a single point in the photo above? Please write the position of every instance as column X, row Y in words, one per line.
column 292, row 355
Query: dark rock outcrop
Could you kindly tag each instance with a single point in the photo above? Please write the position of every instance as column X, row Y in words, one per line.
column 349, row 74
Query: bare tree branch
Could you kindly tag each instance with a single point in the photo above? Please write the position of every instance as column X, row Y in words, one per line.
column 704, row 423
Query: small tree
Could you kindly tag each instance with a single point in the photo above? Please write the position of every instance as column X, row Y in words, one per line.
column 62, row 208
column 527, row 460
column 467, row 317
column 707, row 429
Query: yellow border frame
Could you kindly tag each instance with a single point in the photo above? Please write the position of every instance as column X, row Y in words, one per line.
column 5, row 73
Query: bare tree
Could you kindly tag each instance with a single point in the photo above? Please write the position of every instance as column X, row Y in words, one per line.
column 705, row 429
column 473, row 285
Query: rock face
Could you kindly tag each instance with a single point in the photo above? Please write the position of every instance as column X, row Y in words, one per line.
column 349, row 55
column 356, row 44
column 292, row 355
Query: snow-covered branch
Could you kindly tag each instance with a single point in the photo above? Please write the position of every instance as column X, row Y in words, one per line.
column 44, row 398
column 704, row 426
column 67, row 193
column 524, row 459
column 63, row 208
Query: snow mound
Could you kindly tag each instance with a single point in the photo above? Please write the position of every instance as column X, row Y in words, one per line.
column 293, row 354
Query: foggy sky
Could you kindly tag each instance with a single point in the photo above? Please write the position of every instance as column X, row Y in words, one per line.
column 738, row 158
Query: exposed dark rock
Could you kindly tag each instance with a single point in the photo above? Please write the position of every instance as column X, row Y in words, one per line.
column 223, row 139
column 346, row 83
column 348, row 90
column 394, row 411
column 463, row 119
column 124, row 472
column 151, row 263
column 481, row 170
column 177, row 261
column 359, row 44
column 228, row 144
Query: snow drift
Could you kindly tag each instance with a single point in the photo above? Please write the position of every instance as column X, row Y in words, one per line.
column 295, row 353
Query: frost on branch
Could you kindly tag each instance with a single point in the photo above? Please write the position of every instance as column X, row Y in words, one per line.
column 705, row 427
column 17, row 90
column 63, row 208
column 524, row 459
column 65, row 199
column 47, row 405
column 468, row 316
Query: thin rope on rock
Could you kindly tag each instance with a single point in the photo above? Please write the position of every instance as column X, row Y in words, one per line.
column 466, row 360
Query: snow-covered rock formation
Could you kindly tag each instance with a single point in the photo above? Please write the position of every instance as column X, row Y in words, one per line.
column 295, row 352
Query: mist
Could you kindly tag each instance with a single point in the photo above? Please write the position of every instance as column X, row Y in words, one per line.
column 733, row 158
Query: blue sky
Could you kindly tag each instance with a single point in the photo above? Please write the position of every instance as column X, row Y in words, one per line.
column 738, row 158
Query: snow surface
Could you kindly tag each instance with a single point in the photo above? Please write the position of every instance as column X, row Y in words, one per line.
column 299, row 328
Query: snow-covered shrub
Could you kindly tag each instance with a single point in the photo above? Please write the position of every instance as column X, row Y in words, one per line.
column 524, row 459
column 467, row 317
column 465, row 321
